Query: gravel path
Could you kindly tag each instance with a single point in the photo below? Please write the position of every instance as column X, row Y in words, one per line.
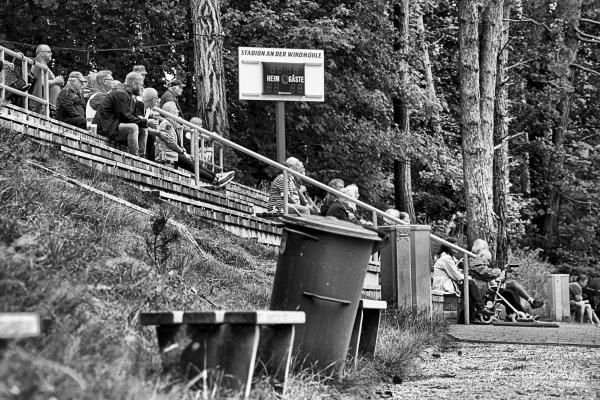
column 503, row 371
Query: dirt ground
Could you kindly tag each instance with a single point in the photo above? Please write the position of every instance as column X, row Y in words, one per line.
column 503, row 371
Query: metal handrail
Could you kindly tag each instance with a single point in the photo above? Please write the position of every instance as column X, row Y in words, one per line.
column 287, row 170
column 25, row 63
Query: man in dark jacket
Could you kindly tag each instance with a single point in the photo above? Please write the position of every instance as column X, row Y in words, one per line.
column 116, row 120
column 70, row 106
column 173, row 92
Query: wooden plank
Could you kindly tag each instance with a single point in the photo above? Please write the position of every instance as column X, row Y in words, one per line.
column 261, row 317
column 19, row 325
column 372, row 304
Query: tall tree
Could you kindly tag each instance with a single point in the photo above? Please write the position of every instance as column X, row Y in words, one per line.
column 501, row 171
column 402, row 167
column 208, row 62
column 568, row 16
column 477, row 92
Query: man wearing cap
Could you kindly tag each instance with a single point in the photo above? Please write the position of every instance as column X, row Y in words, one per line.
column 173, row 92
column 70, row 105
column 115, row 118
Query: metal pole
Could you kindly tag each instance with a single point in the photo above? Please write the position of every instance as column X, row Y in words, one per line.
column 280, row 122
column 466, row 288
column 285, row 192
column 196, row 156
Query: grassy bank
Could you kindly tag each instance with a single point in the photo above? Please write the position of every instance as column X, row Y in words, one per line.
column 91, row 265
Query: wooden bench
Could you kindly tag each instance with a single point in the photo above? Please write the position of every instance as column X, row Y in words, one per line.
column 366, row 329
column 15, row 326
column 228, row 345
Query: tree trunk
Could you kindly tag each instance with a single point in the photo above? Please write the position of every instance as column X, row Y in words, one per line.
column 568, row 12
column 402, row 170
column 501, row 172
column 476, row 120
column 426, row 60
column 208, row 61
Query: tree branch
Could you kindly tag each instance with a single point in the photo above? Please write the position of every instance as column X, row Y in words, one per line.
column 529, row 20
column 587, row 35
column 581, row 67
column 587, row 40
column 591, row 21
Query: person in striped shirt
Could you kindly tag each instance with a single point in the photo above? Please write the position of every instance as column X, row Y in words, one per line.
column 296, row 202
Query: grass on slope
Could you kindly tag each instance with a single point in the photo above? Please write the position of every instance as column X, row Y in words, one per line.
column 91, row 266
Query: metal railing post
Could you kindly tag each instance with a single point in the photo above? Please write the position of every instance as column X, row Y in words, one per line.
column 195, row 155
column 466, row 288
column 285, row 192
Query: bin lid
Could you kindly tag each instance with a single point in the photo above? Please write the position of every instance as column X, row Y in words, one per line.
column 331, row 225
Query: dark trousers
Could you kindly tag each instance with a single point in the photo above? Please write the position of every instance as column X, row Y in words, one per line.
column 79, row 122
column 188, row 165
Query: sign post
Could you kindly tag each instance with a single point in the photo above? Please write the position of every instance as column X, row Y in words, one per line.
column 281, row 75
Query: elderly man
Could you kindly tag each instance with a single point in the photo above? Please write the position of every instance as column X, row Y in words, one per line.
column 150, row 100
column 101, row 85
column 140, row 69
column 70, row 106
column 43, row 55
column 295, row 198
column 173, row 92
column 115, row 118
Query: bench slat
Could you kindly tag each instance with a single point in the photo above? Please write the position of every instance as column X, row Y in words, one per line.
column 261, row 317
column 19, row 325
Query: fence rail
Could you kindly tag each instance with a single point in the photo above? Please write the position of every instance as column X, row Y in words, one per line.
column 25, row 68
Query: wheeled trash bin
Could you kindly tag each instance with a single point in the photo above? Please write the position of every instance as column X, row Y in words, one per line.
column 320, row 270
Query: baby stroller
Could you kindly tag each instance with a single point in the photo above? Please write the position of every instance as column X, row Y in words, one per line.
column 493, row 298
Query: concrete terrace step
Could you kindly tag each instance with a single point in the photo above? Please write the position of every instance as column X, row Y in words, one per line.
column 98, row 146
column 264, row 230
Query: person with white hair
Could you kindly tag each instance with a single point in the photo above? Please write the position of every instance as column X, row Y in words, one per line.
column 343, row 208
column 70, row 106
column 294, row 191
column 169, row 150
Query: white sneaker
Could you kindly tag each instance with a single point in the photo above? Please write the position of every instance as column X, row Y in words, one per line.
column 223, row 178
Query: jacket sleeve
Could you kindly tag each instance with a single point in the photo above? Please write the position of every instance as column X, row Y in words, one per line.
column 125, row 113
column 481, row 270
column 70, row 104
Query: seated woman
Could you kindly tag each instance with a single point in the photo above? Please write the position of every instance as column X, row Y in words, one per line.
column 447, row 277
column 582, row 306
column 485, row 275
column 169, row 150
column 343, row 208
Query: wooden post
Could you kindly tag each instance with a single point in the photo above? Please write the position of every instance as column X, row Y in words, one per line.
column 558, row 296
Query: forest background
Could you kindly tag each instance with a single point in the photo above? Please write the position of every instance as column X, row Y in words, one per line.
column 393, row 120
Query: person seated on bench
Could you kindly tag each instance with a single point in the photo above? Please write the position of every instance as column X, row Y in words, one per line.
column 582, row 307
column 330, row 198
column 343, row 208
column 70, row 106
column 296, row 201
column 169, row 151
column 447, row 279
column 99, row 87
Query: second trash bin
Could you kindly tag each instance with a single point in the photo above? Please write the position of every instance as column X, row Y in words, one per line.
column 320, row 270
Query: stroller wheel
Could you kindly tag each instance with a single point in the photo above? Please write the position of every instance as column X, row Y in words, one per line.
column 486, row 319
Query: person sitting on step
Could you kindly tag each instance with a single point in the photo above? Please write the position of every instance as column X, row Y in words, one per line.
column 343, row 208
column 168, row 150
column 296, row 204
column 582, row 307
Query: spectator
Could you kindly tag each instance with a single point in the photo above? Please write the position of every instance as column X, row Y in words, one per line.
column 329, row 199
column 174, row 90
column 115, row 118
column 150, row 100
column 208, row 151
column 168, row 151
column 447, row 279
column 582, row 306
column 343, row 208
column 116, row 84
column 403, row 216
column 140, row 69
column 70, row 106
column 99, row 88
column 43, row 55
column 295, row 202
